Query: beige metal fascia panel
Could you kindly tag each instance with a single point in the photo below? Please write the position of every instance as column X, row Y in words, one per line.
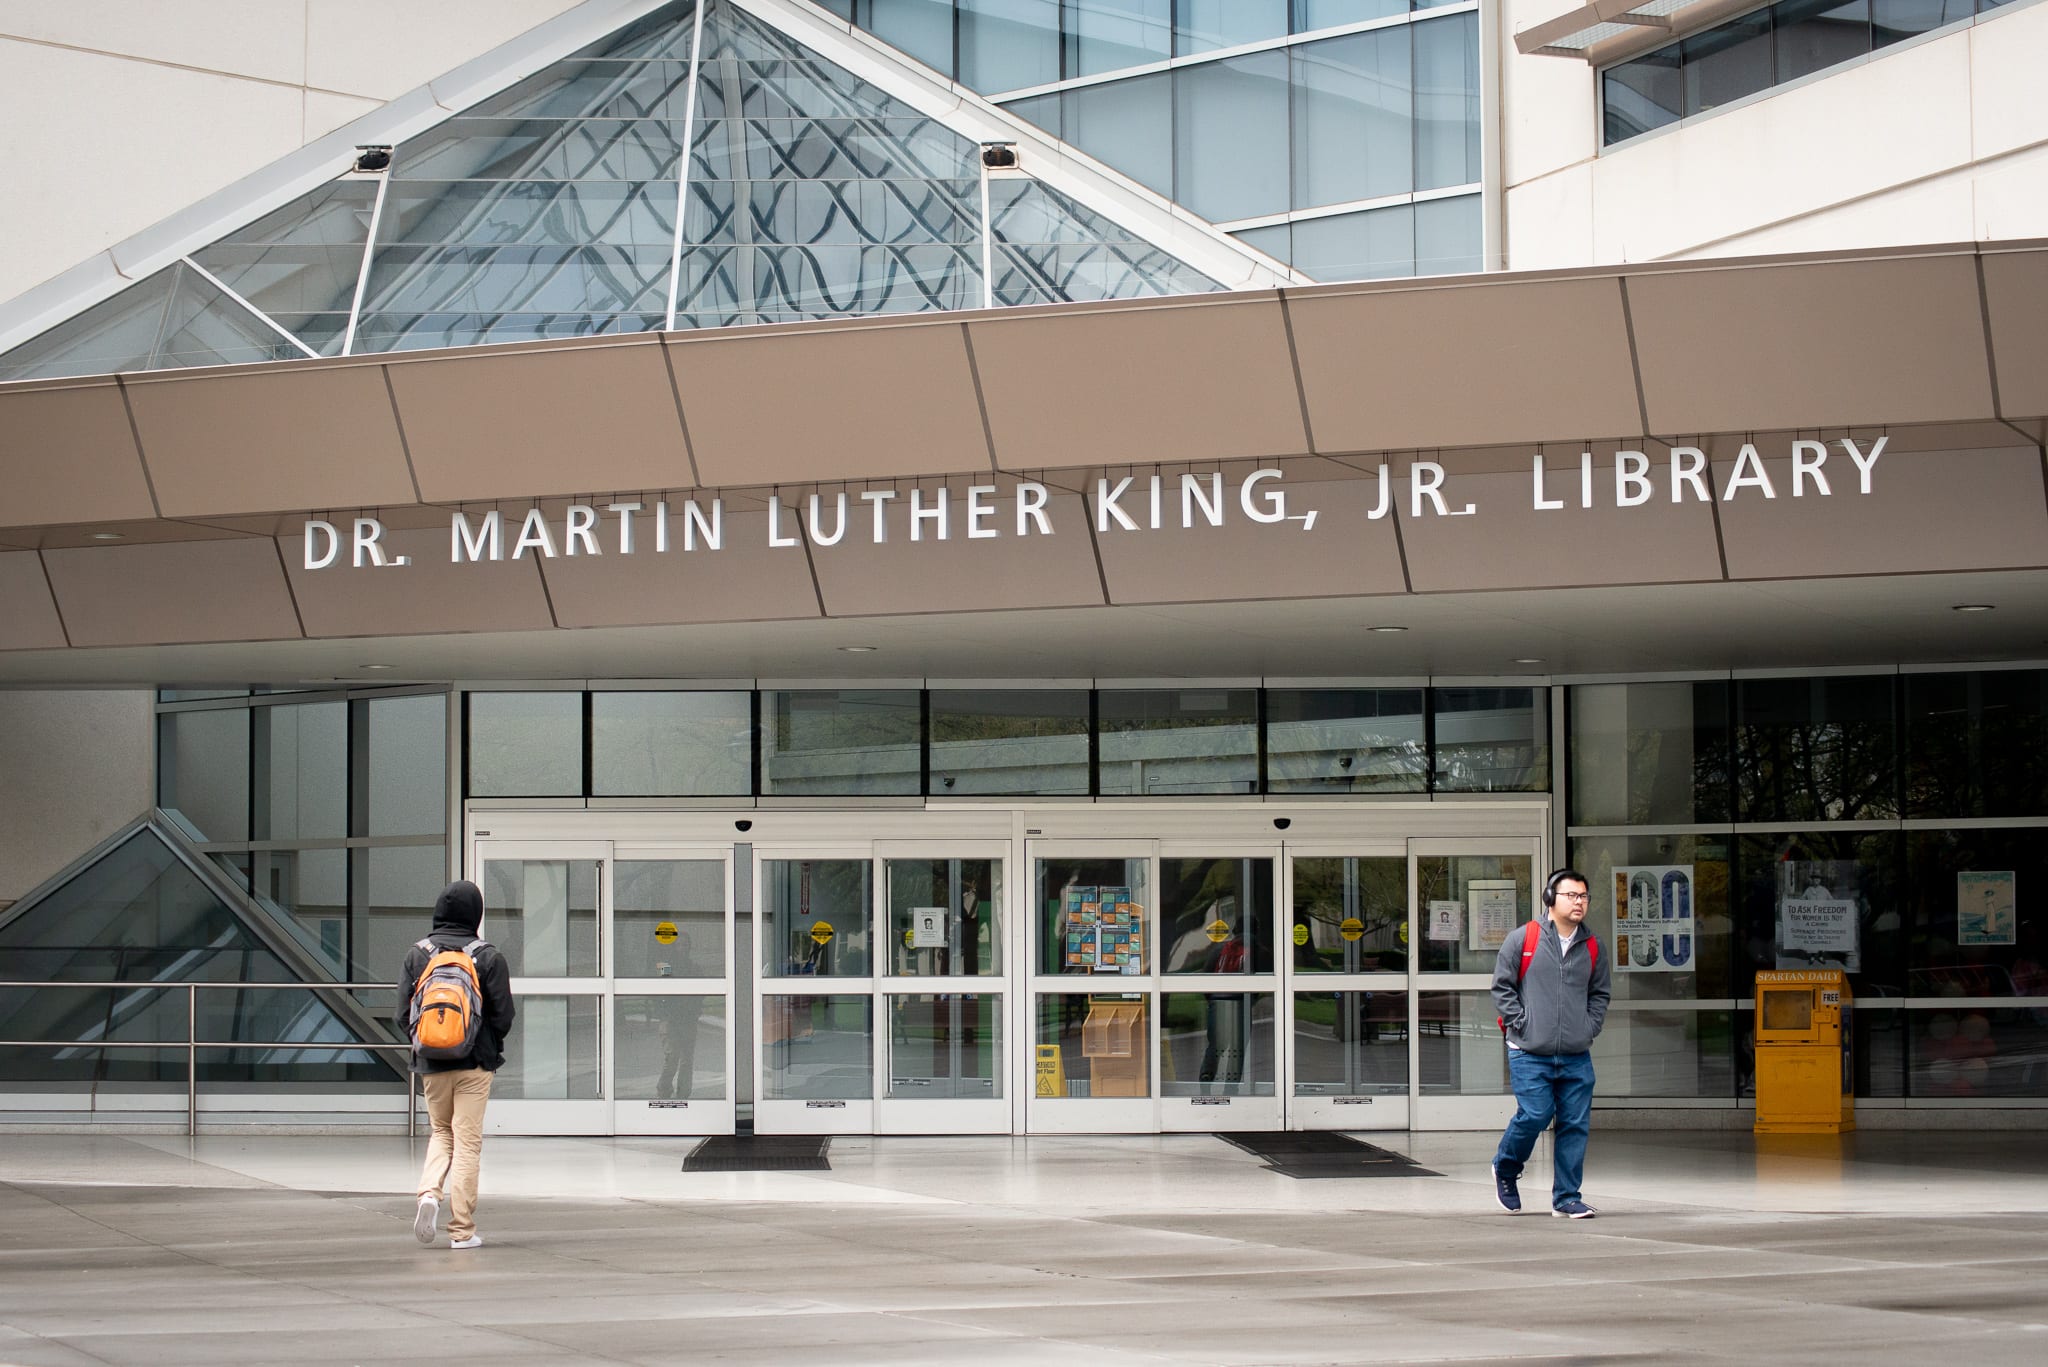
column 1753, row 348
column 67, row 454
column 744, row 580
column 1345, row 552
column 256, row 439
column 1188, row 380
column 1927, row 511
column 2016, row 293
column 503, row 424
column 173, row 593
column 796, row 406
column 429, row 595
column 28, row 617
column 1465, row 365
column 859, row 577
column 1507, row 542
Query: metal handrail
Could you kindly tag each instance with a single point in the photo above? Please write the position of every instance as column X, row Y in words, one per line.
column 192, row 1044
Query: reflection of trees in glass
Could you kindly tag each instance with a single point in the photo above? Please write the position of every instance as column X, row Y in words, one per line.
column 1816, row 749
column 1377, row 891
column 1977, row 743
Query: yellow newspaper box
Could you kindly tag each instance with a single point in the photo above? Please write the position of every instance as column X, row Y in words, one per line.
column 1803, row 1083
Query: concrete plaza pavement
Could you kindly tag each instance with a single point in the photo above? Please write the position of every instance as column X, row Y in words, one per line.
column 1877, row 1247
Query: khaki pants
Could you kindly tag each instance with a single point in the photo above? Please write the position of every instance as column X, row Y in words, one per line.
column 455, row 1104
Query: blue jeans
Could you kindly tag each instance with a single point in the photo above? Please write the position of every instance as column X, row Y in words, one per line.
column 1547, row 1086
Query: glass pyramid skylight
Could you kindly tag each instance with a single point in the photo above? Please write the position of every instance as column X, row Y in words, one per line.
column 549, row 210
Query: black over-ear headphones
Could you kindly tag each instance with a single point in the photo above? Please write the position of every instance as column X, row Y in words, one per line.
column 1561, row 876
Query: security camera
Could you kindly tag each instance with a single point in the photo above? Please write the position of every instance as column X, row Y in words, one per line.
column 372, row 157
column 743, row 825
column 999, row 156
column 1281, row 823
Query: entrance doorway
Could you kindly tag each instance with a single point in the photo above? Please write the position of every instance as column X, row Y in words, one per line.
column 1074, row 969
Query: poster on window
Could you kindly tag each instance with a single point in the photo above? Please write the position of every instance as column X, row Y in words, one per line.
column 1986, row 907
column 1494, row 909
column 1653, row 923
column 1820, row 910
column 1446, row 920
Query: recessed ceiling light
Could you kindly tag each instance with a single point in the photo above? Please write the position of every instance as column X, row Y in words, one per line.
column 107, row 536
column 1386, row 628
column 858, row 650
column 1973, row 607
column 1529, row 659
column 376, row 666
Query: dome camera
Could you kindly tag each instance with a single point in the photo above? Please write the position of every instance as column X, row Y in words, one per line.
column 1281, row 823
column 743, row 825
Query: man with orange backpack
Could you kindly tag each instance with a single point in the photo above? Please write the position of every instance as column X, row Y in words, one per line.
column 455, row 1006
column 1550, row 984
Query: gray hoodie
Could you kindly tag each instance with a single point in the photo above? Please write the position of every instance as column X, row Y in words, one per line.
column 1560, row 1005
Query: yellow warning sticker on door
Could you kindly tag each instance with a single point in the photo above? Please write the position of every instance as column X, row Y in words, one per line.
column 1351, row 927
column 821, row 931
column 666, row 932
column 1219, row 931
column 1301, row 935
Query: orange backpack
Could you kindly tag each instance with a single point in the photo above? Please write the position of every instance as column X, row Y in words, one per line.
column 447, row 1003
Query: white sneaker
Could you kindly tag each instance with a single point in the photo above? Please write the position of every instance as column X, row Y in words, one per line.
column 424, row 1218
column 473, row 1241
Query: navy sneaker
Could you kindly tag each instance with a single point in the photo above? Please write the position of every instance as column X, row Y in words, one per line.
column 1506, row 1192
column 1574, row 1209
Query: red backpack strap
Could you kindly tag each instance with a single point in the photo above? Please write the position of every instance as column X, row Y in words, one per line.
column 1529, row 939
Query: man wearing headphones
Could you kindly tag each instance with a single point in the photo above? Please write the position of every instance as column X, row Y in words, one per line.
column 1550, row 985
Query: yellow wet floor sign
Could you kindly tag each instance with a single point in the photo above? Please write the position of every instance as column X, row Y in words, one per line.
column 1052, row 1071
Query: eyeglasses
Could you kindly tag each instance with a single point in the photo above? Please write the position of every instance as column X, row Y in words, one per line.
column 1574, row 897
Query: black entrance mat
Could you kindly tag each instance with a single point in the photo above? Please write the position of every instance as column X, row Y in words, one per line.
column 750, row 1152
column 1317, row 1153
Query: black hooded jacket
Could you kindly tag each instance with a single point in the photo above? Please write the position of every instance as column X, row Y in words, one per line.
column 457, row 913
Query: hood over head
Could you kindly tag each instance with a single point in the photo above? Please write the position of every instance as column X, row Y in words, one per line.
column 459, row 907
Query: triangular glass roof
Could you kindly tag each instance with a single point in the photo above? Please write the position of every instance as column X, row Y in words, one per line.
column 143, row 910
column 549, row 210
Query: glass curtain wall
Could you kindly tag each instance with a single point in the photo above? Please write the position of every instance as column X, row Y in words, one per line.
column 1889, row 825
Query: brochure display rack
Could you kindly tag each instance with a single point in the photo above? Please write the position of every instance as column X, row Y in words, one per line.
column 1103, row 931
column 1113, row 1041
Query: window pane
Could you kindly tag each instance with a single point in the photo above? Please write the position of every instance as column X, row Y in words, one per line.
column 1815, row 900
column 1975, row 919
column 1649, row 754
column 1127, row 125
column 1727, row 63
column 1216, row 1044
column 1977, row 744
column 542, row 916
column 1815, row 749
column 816, row 1048
column 671, row 744
column 1345, row 740
column 393, row 892
column 1642, row 94
column 840, row 742
column 1714, row 953
column 1491, row 894
column 668, row 918
column 1354, row 118
column 1104, row 35
column 1042, row 110
column 1350, row 914
column 1094, row 916
column 1667, row 1054
column 817, row 913
column 1160, row 741
column 1351, row 1043
column 1101, row 1045
column 1376, row 245
column 407, row 744
column 1216, row 915
column 300, row 771
column 1894, row 21
column 1813, row 35
column 921, row 28
column 1009, row 741
column 551, row 1053
column 526, row 744
column 1009, row 44
column 1976, row 1052
column 1314, row 14
column 1458, row 1043
column 1205, row 25
column 946, row 1048
column 945, row 917
column 1274, row 240
column 1492, row 740
column 1447, row 236
column 1446, row 102
column 1230, row 136
column 669, row 1047
column 203, row 770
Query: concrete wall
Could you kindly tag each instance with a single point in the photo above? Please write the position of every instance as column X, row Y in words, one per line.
column 121, row 112
column 1944, row 140
column 73, row 767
